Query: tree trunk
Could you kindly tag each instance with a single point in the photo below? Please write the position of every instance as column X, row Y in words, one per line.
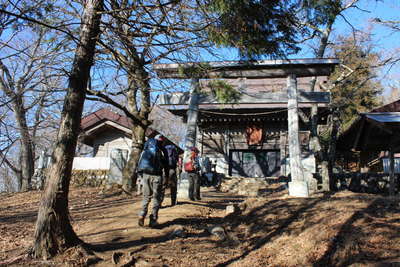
column 315, row 144
column 53, row 230
column 332, row 148
column 129, row 174
column 138, row 78
column 26, row 151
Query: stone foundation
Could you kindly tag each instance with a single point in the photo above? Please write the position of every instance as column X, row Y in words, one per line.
column 365, row 182
column 94, row 178
column 251, row 187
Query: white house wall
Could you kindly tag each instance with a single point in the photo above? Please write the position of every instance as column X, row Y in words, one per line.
column 97, row 163
column 105, row 143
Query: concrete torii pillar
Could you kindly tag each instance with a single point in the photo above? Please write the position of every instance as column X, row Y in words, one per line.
column 298, row 187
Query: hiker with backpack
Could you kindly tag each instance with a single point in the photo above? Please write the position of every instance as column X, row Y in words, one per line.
column 192, row 167
column 152, row 162
column 171, row 181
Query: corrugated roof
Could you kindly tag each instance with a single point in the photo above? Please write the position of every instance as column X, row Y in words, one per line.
column 391, row 107
column 384, row 116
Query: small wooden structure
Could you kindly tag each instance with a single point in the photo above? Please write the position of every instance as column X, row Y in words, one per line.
column 254, row 136
column 362, row 145
column 374, row 132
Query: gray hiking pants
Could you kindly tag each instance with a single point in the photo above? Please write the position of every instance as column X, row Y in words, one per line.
column 194, row 185
column 152, row 188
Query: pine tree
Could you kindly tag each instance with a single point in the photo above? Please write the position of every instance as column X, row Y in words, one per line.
column 360, row 91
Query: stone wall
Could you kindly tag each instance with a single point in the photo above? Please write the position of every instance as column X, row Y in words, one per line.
column 94, row 178
column 365, row 182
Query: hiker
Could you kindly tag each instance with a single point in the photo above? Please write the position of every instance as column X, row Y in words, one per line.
column 206, row 174
column 171, row 181
column 191, row 167
column 151, row 164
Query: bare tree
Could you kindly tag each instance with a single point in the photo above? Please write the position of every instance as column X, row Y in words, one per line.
column 177, row 31
column 29, row 83
column 25, row 77
column 53, row 230
column 321, row 24
column 137, row 37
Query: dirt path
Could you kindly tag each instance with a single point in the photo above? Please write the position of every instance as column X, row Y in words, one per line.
column 113, row 226
column 109, row 223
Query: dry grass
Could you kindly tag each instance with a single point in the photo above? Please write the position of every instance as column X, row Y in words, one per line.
column 340, row 229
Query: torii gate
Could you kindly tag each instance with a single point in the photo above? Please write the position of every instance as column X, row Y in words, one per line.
column 289, row 69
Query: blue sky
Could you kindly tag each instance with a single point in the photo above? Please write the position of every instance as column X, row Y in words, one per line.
column 387, row 42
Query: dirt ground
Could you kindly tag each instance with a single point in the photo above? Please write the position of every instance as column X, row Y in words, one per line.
column 341, row 229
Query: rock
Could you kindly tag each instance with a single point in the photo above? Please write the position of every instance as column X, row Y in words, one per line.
column 179, row 231
column 130, row 263
column 219, row 232
column 143, row 263
column 231, row 209
column 243, row 206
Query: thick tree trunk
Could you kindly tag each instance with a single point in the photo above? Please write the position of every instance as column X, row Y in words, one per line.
column 138, row 78
column 53, row 231
column 315, row 144
column 129, row 175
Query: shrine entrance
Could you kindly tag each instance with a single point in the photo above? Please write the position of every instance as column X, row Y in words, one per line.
column 254, row 163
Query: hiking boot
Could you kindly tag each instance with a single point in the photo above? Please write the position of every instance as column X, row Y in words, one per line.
column 141, row 221
column 153, row 222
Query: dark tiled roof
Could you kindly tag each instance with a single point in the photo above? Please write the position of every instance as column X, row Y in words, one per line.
column 164, row 122
column 104, row 114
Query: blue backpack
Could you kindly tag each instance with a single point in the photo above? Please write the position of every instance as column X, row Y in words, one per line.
column 150, row 159
column 172, row 155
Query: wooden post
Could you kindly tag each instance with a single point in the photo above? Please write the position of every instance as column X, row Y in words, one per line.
column 190, row 138
column 298, row 186
column 391, row 171
column 282, row 148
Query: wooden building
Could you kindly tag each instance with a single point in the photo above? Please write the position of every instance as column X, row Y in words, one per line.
column 365, row 144
column 249, row 137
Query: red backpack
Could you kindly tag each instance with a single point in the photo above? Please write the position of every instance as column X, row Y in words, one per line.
column 189, row 165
